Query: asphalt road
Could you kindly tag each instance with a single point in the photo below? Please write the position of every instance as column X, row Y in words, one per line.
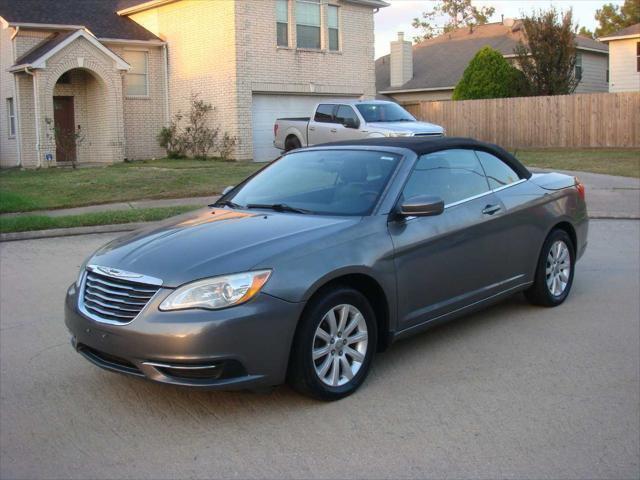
column 512, row 392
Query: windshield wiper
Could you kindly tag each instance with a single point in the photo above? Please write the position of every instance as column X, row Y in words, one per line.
column 278, row 207
column 226, row 203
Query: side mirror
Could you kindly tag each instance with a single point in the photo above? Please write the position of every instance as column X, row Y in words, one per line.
column 350, row 123
column 228, row 189
column 422, row 206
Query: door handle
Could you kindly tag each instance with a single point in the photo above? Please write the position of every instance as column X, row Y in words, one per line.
column 333, row 130
column 313, row 129
column 491, row 209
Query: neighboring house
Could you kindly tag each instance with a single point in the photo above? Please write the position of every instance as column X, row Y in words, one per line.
column 430, row 70
column 116, row 71
column 624, row 59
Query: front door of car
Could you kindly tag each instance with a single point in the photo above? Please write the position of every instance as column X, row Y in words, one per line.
column 447, row 261
column 348, row 124
column 323, row 126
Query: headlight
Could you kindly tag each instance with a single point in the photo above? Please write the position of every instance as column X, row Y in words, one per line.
column 401, row 134
column 217, row 292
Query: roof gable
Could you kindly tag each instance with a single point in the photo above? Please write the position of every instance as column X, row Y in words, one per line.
column 37, row 57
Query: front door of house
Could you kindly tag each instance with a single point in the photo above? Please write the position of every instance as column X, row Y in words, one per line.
column 64, row 123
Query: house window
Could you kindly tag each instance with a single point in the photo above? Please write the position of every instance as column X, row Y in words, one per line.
column 334, row 32
column 607, row 75
column 282, row 22
column 11, row 117
column 136, row 84
column 578, row 70
column 308, row 23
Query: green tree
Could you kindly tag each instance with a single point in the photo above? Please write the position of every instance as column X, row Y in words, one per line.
column 548, row 58
column 459, row 13
column 585, row 32
column 489, row 75
column 612, row 18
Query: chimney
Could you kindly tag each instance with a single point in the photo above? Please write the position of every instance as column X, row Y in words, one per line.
column 401, row 61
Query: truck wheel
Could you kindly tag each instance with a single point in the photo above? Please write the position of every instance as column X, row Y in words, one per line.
column 291, row 143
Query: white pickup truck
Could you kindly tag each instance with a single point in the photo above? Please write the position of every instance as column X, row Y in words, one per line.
column 350, row 120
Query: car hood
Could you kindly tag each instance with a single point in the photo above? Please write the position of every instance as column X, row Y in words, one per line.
column 414, row 127
column 213, row 242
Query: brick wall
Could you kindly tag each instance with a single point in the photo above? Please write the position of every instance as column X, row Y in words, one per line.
column 201, row 56
column 264, row 67
column 144, row 116
column 227, row 50
column 8, row 145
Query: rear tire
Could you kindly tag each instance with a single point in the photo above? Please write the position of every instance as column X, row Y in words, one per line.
column 330, row 363
column 554, row 273
column 292, row 143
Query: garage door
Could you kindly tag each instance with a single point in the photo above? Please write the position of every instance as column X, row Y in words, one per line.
column 267, row 108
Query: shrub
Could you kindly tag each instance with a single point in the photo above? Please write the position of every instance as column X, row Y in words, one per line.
column 197, row 137
column 171, row 139
column 489, row 75
column 226, row 146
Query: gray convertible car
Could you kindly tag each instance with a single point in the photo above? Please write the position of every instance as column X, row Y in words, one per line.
column 323, row 258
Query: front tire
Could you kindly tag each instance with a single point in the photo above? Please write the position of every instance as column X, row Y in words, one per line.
column 334, row 345
column 554, row 273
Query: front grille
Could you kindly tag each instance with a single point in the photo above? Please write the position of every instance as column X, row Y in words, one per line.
column 115, row 300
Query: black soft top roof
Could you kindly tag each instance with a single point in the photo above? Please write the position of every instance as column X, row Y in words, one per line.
column 424, row 145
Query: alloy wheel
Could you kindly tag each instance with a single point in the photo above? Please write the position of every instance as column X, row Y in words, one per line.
column 558, row 268
column 340, row 345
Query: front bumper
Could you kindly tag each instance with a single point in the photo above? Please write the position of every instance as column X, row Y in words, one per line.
column 240, row 347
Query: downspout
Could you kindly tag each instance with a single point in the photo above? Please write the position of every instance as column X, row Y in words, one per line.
column 17, row 101
column 166, row 85
column 36, row 102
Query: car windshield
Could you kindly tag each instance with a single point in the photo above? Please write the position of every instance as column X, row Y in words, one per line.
column 384, row 112
column 323, row 182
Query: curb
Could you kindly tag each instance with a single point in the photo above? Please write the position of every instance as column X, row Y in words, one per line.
column 127, row 227
column 70, row 232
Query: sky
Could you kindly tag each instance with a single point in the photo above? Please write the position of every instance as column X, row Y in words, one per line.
column 398, row 16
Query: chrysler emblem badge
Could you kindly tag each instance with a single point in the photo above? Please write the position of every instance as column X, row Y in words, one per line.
column 114, row 272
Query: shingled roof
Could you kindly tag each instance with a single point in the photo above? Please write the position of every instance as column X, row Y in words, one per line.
column 440, row 62
column 99, row 16
column 625, row 32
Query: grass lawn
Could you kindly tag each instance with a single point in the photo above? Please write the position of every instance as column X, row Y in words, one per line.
column 621, row 162
column 24, row 223
column 27, row 190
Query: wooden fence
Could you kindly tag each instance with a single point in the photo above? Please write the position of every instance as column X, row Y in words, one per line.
column 593, row 120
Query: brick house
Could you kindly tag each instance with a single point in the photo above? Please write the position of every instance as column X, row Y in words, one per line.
column 430, row 70
column 116, row 71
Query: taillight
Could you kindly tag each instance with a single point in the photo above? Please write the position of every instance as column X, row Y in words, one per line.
column 580, row 188
column 275, row 129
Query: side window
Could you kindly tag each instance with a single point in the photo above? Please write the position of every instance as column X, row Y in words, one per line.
column 324, row 114
column 498, row 173
column 452, row 175
column 346, row 112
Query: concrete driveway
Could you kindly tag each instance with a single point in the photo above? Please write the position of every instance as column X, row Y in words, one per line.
column 512, row 392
